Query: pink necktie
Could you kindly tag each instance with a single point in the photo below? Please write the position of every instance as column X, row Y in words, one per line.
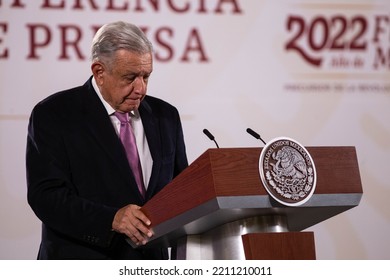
column 128, row 140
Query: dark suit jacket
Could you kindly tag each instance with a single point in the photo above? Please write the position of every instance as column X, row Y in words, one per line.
column 78, row 175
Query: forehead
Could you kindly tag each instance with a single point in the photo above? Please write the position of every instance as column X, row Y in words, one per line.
column 131, row 61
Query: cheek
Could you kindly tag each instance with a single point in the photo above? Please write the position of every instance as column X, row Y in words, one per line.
column 111, row 93
column 119, row 93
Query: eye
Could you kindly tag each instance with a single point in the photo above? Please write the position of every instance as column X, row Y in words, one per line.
column 129, row 79
column 146, row 78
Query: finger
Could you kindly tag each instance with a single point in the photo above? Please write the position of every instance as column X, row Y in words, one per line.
column 135, row 240
column 136, row 235
column 141, row 216
column 139, row 238
column 140, row 227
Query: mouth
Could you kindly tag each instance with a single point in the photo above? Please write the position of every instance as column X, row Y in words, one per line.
column 131, row 103
column 130, row 100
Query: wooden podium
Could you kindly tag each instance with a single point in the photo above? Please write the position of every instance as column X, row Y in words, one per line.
column 217, row 208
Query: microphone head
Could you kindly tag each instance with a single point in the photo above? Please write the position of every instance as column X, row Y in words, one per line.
column 209, row 135
column 254, row 134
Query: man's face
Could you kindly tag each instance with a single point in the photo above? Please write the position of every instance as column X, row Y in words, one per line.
column 125, row 86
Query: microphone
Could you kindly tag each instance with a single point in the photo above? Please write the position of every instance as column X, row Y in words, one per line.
column 210, row 136
column 254, row 134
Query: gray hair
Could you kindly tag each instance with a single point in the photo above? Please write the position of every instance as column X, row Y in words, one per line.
column 118, row 35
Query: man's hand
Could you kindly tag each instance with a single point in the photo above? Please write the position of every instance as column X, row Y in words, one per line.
column 130, row 221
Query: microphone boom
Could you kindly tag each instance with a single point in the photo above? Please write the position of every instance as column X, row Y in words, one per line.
column 210, row 136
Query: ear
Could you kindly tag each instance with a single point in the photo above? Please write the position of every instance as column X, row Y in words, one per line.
column 98, row 71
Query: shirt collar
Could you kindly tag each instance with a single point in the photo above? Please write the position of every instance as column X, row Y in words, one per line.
column 109, row 109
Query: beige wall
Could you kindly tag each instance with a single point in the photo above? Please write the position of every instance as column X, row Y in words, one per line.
column 244, row 69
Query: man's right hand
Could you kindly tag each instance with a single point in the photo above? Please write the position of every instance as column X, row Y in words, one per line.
column 131, row 221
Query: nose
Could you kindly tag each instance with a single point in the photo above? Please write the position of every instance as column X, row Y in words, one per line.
column 139, row 85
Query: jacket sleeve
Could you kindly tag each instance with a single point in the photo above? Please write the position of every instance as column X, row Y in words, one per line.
column 51, row 193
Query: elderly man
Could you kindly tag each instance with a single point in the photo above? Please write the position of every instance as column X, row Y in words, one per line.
column 96, row 153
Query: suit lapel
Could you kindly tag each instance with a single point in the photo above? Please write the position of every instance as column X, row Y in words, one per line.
column 153, row 136
column 99, row 124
